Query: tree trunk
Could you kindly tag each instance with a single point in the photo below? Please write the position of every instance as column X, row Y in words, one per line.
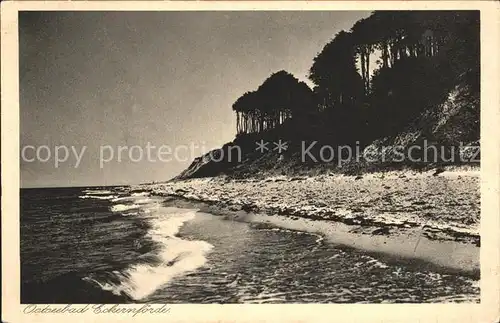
column 363, row 73
column 237, row 123
column 385, row 54
column 367, row 84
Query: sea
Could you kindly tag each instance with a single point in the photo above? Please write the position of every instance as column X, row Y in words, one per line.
column 119, row 245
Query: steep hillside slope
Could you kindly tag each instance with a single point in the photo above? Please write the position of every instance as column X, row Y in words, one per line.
column 418, row 108
column 453, row 127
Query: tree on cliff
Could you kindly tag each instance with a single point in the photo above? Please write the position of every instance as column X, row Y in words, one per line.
column 373, row 80
column 280, row 97
column 334, row 72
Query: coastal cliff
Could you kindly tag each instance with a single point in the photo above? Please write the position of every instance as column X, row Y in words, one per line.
column 416, row 105
column 384, row 158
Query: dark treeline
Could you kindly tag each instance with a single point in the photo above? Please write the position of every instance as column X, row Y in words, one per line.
column 373, row 80
column 279, row 98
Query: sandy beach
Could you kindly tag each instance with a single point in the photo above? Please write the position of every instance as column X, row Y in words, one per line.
column 430, row 217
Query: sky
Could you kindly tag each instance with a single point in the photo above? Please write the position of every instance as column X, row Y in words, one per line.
column 92, row 82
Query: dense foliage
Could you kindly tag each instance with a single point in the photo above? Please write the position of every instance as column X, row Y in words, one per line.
column 373, row 80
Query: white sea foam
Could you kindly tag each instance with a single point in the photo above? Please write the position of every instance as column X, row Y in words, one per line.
column 105, row 197
column 143, row 201
column 124, row 207
column 123, row 198
column 97, row 192
column 138, row 198
column 105, row 286
column 178, row 256
column 140, row 194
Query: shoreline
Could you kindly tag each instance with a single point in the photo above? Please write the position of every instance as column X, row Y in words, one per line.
column 446, row 240
column 390, row 248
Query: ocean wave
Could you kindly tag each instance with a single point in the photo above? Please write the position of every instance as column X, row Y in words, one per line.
column 122, row 198
column 136, row 197
column 143, row 201
column 105, row 197
column 177, row 257
column 80, row 290
column 140, row 194
column 97, row 192
column 104, row 286
column 124, row 207
column 135, row 200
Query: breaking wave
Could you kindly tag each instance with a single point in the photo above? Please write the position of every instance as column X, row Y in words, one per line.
column 105, row 197
column 173, row 256
column 97, row 192
column 124, row 207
